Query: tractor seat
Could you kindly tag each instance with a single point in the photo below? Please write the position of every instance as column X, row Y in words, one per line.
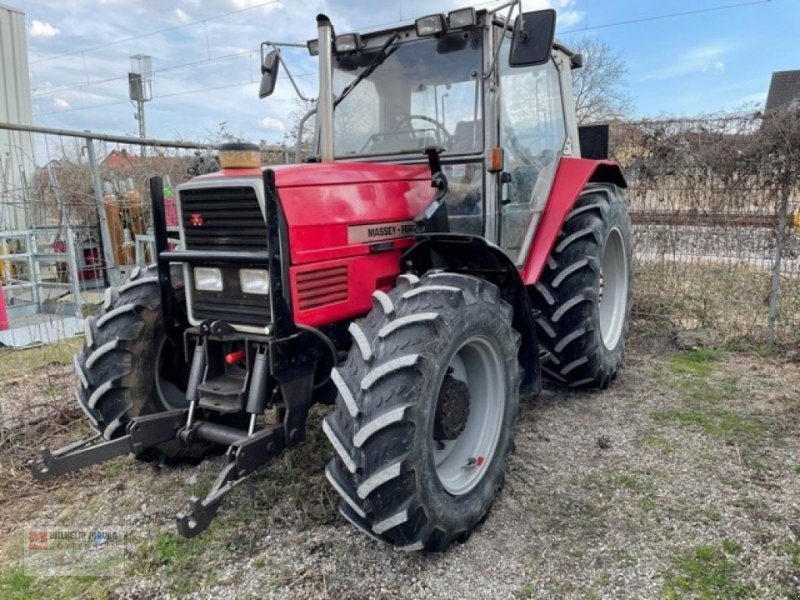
column 467, row 137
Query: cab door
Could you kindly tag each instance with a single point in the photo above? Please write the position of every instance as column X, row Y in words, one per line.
column 533, row 134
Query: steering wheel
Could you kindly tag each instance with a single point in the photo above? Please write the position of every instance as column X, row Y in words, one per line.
column 406, row 119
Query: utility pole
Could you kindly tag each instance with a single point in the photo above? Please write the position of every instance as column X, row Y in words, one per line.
column 140, row 89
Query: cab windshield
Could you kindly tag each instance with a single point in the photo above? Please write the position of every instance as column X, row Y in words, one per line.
column 424, row 93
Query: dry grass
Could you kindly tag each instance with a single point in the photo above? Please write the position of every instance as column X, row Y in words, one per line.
column 681, row 480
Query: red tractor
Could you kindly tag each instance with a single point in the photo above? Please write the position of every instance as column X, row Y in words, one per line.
column 453, row 239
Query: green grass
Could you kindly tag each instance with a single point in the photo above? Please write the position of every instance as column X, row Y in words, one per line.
column 15, row 363
column 716, row 423
column 15, row 585
column 526, row 592
column 705, row 393
column 706, row 572
column 792, row 550
column 178, row 560
column 699, row 361
column 660, row 443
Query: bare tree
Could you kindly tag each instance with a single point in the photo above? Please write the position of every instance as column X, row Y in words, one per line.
column 599, row 86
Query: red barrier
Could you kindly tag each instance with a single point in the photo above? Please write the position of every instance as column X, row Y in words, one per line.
column 3, row 312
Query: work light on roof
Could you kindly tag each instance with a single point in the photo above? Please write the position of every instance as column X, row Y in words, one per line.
column 431, row 25
column 461, row 19
column 349, row 42
column 313, row 47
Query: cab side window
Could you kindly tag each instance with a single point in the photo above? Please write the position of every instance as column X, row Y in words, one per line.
column 532, row 134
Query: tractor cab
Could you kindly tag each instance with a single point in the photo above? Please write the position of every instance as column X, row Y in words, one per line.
column 493, row 95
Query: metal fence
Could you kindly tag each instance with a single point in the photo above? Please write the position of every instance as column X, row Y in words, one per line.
column 714, row 203
column 715, row 208
column 75, row 218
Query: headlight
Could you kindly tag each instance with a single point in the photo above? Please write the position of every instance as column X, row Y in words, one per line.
column 208, row 279
column 254, row 281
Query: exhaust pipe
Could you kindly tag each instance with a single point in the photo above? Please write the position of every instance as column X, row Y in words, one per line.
column 325, row 100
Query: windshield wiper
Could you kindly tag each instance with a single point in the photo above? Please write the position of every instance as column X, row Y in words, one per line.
column 384, row 53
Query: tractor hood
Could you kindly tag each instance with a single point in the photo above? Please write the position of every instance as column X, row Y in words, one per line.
column 334, row 210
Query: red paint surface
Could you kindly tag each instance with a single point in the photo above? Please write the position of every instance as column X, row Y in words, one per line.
column 321, row 200
column 3, row 311
column 571, row 177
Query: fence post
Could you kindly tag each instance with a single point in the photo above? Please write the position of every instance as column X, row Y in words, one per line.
column 105, row 234
column 74, row 276
column 780, row 242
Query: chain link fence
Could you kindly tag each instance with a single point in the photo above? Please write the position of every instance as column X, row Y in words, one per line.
column 715, row 204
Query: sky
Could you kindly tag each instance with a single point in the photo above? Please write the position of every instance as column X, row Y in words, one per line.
column 205, row 58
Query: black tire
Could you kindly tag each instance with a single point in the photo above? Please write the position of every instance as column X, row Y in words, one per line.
column 118, row 368
column 569, row 292
column 382, row 426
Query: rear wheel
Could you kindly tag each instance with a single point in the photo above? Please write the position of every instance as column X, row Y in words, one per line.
column 128, row 366
column 423, row 423
column 584, row 294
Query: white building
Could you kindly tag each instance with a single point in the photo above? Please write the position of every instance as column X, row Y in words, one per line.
column 16, row 148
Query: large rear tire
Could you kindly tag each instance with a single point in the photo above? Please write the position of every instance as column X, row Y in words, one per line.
column 584, row 294
column 128, row 367
column 423, row 423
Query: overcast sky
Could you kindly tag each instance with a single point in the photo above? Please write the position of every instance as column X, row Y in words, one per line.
column 78, row 51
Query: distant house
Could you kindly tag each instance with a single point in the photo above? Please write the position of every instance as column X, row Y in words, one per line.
column 784, row 90
column 120, row 158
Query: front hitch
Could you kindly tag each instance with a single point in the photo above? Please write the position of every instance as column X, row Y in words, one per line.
column 142, row 433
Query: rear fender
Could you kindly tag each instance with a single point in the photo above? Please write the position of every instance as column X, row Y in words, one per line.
column 475, row 256
column 572, row 176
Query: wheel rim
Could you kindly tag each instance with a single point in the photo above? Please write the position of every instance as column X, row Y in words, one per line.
column 613, row 289
column 172, row 396
column 461, row 463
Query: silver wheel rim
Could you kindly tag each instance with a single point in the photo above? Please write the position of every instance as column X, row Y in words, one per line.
column 613, row 289
column 461, row 463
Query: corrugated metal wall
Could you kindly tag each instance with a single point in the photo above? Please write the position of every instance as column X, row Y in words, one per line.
column 16, row 148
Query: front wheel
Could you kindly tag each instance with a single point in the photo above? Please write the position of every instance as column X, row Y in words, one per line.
column 128, row 366
column 423, row 424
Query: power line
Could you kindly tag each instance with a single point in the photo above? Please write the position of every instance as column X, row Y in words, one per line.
column 696, row 11
column 170, row 95
column 70, row 86
column 160, row 31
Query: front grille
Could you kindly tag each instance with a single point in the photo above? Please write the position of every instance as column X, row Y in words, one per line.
column 231, row 304
column 223, row 219
column 226, row 219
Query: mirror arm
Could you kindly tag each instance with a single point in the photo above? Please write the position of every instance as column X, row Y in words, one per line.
column 493, row 66
column 276, row 46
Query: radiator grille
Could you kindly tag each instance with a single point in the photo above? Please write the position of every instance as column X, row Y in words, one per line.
column 321, row 287
column 223, row 219
column 228, row 219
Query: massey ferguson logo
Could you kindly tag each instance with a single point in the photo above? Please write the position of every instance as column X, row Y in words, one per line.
column 197, row 220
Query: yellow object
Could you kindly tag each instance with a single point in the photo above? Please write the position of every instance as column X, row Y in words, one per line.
column 796, row 220
column 240, row 159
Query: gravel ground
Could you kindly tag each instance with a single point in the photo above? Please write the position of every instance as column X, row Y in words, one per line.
column 681, row 480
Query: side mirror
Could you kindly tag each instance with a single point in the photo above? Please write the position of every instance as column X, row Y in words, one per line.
column 533, row 38
column 269, row 73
